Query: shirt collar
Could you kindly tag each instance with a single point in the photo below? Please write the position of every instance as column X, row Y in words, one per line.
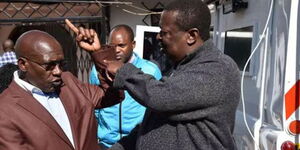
column 29, row 87
column 133, row 59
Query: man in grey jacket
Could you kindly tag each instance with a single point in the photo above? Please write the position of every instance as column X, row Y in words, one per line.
column 194, row 107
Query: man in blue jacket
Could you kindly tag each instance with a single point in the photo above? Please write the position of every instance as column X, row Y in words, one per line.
column 119, row 120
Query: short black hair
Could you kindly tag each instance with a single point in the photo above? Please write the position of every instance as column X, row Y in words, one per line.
column 6, row 74
column 127, row 29
column 192, row 14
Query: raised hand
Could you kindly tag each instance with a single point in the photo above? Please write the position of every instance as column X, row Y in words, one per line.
column 86, row 38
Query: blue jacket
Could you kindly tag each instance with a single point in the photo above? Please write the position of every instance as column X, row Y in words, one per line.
column 132, row 113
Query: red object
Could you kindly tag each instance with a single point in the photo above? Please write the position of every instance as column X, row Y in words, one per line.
column 294, row 127
column 292, row 99
column 288, row 145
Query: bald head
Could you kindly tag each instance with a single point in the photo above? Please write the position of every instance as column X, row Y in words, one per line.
column 36, row 43
column 8, row 45
column 39, row 57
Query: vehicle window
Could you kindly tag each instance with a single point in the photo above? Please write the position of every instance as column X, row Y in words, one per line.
column 238, row 44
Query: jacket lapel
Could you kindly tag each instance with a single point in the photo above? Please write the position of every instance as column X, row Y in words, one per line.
column 68, row 107
column 27, row 102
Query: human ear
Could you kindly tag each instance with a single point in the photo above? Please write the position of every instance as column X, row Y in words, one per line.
column 133, row 44
column 192, row 36
column 22, row 64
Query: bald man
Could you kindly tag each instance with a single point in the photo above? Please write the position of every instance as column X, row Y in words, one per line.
column 45, row 108
column 9, row 55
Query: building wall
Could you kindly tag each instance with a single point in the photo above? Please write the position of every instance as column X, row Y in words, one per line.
column 119, row 16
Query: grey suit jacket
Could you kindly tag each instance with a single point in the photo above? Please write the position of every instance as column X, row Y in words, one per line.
column 192, row 109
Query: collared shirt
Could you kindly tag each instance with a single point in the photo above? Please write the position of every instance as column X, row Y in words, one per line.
column 8, row 57
column 51, row 103
column 132, row 113
column 132, row 58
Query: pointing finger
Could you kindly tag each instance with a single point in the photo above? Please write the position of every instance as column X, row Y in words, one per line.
column 71, row 26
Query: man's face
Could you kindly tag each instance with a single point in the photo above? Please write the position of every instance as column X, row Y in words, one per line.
column 124, row 45
column 44, row 69
column 172, row 39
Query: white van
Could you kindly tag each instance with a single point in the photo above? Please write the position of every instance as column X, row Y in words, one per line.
column 266, row 32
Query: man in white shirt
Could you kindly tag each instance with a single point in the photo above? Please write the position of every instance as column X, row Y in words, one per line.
column 46, row 108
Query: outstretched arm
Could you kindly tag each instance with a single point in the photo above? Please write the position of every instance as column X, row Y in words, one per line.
column 89, row 41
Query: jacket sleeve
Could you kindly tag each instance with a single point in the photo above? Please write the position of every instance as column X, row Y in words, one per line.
column 100, row 96
column 156, row 73
column 111, row 95
column 152, row 69
column 175, row 96
column 128, row 142
column 10, row 137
